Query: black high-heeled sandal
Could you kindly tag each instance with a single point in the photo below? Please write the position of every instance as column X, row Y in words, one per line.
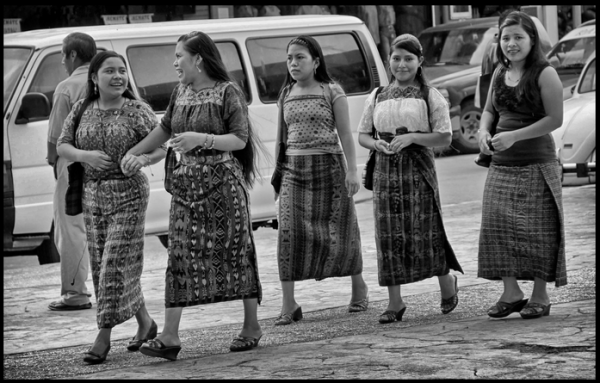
column 93, row 358
column 157, row 349
column 135, row 344
column 287, row 318
column 390, row 316
column 243, row 343
column 450, row 304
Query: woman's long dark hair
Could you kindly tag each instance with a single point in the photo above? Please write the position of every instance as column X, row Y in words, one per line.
column 200, row 43
column 535, row 61
column 411, row 44
column 315, row 51
column 91, row 94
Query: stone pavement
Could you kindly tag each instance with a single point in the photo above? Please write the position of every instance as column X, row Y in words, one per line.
column 330, row 343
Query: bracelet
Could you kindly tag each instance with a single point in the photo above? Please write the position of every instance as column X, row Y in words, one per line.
column 212, row 144
column 147, row 158
column 205, row 141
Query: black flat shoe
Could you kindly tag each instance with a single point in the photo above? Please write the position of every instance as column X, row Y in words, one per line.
column 390, row 316
column 135, row 344
column 450, row 304
column 285, row 319
column 505, row 309
column 93, row 358
column 535, row 310
column 243, row 343
column 157, row 349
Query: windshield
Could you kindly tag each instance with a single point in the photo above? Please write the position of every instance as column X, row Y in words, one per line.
column 572, row 54
column 456, row 47
column 588, row 81
column 14, row 63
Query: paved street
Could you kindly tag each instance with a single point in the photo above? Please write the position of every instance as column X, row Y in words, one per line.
column 329, row 341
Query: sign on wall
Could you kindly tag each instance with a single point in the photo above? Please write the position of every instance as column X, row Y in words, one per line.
column 12, row 25
column 460, row 12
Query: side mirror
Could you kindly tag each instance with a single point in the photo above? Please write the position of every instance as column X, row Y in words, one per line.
column 34, row 107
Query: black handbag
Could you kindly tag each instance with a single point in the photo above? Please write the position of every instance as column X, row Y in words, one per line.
column 278, row 172
column 370, row 165
column 485, row 82
column 74, row 194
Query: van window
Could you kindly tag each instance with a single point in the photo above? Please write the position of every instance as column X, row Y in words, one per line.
column 155, row 77
column 455, row 47
column 48, row 76
column 346, row 63
column 15, row 59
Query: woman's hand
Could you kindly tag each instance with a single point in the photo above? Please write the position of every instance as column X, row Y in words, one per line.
column 483, row 137
column 503, row 141
column 352, row 183
column 131, row 164
column 98, row 160
column 402, row 141
column 184, row 142
column 382, row 146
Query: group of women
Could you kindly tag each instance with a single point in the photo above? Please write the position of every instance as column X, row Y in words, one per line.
column 211, row 149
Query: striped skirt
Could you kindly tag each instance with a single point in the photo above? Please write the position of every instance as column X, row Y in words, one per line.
column 318, row 231
column 114, row 212
column 212, row 256
column 409, row 232
column 522, row 229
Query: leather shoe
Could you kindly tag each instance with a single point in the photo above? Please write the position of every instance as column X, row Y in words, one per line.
column 93, row 358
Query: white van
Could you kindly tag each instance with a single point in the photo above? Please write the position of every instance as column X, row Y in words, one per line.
column 254, row 51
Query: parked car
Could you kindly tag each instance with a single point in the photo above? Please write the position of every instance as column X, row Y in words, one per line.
column 453, row 55
column 254, row 51
column 575, row 140
column 571, row 53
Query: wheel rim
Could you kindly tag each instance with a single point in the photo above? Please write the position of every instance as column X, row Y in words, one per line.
column 469, row 124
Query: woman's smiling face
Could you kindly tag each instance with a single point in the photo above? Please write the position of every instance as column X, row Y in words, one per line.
column 404, row 65
column 112, row 78
column 515, row 43
column 185, row 64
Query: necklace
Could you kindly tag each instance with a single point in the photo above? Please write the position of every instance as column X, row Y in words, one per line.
column 511, row 80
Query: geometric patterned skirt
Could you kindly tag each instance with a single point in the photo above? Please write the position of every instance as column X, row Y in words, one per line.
column 212, row 256
column 318, row 234
column 114, row 211
column 522, row 232
column 409, row 233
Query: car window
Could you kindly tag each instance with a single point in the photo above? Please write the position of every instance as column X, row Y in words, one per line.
column 573, row 53
column 456, row 47
column 346, row 63
column 588, row 82
column 49, row 74
column 155, row 77
column 15, row 59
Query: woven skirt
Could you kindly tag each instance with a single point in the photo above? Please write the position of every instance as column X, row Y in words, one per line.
column 409, row 232
column 522, row 232
column 212, row 255
column 114, row 212
column 318, row 231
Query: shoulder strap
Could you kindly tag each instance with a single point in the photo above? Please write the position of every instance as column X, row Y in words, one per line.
column 425, row 94
column 373, row 130
column 283, row 133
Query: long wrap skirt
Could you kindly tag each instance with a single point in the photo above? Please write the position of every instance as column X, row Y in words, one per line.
column 318, row 230
column 522, row 228
column 114, row 212
column 212, row 256
column 409, row 232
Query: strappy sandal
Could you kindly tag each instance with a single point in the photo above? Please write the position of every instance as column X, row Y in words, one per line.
column 450, row 304
column 504, row 309
column 243, row 343
column 157, row 349
column 135, row 344
column 535, row 310
column 358, row 306
column 390, row 316
column 287, row 318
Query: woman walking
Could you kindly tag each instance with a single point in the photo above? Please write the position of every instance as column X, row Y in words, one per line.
column 97, row 133
column 411, row 118
column 318, row 231
column 522, row 233
column 212, row 256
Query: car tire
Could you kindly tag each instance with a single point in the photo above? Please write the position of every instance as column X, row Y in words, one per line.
column 164, row 239
column 465, row 140
column 47, row 252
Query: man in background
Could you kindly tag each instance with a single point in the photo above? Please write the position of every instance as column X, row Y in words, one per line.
column 69, row 231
